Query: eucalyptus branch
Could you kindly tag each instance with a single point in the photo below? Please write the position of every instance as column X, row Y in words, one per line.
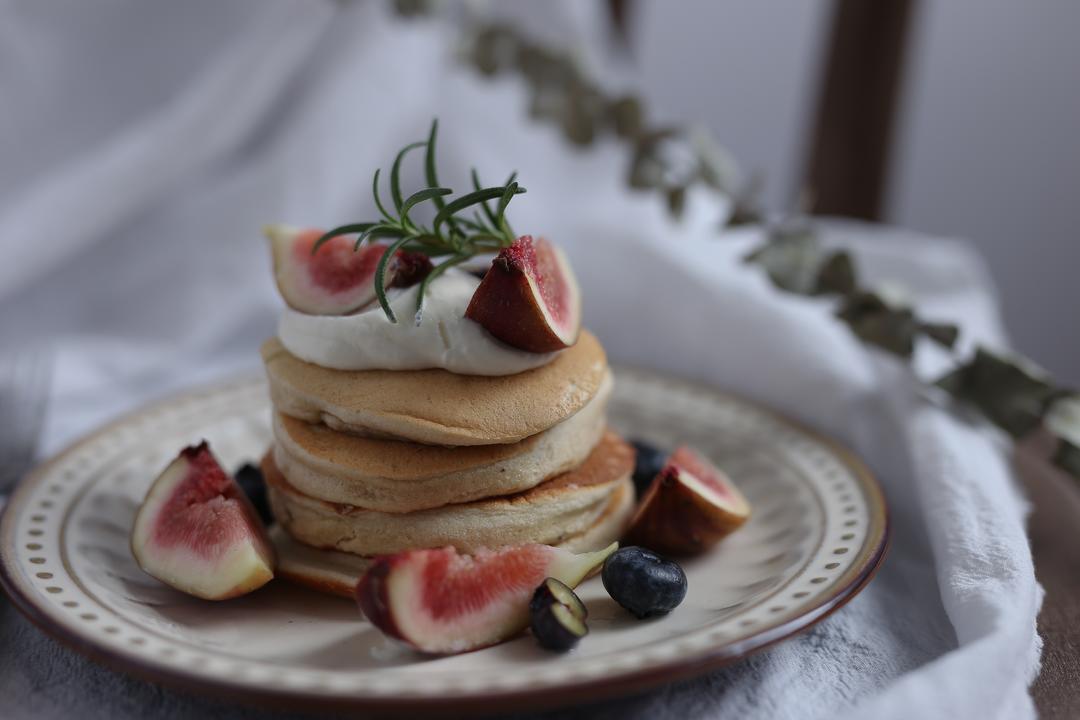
column 670, row 161
column 1010, row 392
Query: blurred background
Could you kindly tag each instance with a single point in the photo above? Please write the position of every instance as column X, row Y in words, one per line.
column 980, row 143
column 953, row 118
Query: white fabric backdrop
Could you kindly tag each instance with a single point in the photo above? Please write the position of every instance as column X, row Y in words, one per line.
column 144, row 144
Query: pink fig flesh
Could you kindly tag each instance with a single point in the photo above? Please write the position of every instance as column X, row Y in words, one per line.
column 196, row 531
column 439, row 601
column 690, row 506
column 333, row 280
column 529, row 298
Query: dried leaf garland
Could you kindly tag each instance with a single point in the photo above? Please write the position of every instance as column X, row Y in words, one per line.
column 1007, row 391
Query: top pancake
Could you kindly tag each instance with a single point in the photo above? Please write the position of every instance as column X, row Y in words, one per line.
column 437, row 407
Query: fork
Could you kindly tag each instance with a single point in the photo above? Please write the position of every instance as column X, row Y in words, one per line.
column 24, row 390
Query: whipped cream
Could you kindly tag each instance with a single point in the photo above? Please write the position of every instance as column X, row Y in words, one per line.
column 444, row 338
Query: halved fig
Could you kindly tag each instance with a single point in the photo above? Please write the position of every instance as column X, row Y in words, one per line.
column 689, row 507
column 334, row 280
column 438, row 601
column 529, row 298
column 196, row 531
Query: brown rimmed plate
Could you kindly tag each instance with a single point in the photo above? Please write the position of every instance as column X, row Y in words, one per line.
column 818, row 533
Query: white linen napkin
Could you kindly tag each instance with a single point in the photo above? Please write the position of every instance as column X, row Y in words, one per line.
column 139, row 262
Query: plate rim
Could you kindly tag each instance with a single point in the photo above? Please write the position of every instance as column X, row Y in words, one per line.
column 624, row 683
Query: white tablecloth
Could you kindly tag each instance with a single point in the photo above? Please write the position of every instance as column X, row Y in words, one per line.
column 139, row 166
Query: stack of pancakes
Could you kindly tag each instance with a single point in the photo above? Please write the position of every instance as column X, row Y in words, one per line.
column 374, row 462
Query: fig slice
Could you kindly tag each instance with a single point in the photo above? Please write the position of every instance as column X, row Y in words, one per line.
column 440, row 602
column 689, row 507
column 334, row 280
column 196, row 531
column 529, row 298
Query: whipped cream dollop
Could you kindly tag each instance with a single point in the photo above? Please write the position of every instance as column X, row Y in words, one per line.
column 444, row 338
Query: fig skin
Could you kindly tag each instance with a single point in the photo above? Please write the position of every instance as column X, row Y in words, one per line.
column 509, row 302
column 392, row 595
column 194, row 488
column 680, row 516
column 333, row 280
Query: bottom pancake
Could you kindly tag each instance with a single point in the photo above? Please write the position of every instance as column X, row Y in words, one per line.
column 337, row 573
column 548, row 513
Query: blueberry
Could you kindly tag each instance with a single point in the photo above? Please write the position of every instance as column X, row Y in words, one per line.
column 553, row 591
column 643, row 582
column 648, row 464
column 556, row 627
column 250, row 480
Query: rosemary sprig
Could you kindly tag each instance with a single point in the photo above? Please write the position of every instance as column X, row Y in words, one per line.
column 450, row 236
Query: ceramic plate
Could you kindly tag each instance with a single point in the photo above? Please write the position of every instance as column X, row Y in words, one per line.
column 818, row 532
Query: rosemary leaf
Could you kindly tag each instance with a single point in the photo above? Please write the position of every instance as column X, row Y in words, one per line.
column 465, row 201
column 380, row 277
column 449, row 235
column 430, row 173
column 395, row 177
column 378, row 200
column 435, row 272
column 500, row 214
column 340, row 230
column 483, row 206
column 418, row 197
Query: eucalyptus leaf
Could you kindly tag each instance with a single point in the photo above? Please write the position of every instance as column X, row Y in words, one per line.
column 836, row 275
column 791, row 257
column 1063, row 417
column 627, row 116
column 1067, row 457
column 579, row 125
column 944, row 334
column 1006, row 391
column 876, row 322
column 646, row 164
column 676, row 200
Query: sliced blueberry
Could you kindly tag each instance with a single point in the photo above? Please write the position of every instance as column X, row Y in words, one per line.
column 250, row 480
column 552, row 592
column 649, row 462
column 643, row 582
column 557, row 628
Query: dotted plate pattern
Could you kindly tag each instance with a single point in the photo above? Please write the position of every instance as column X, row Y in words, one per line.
column 817, row 533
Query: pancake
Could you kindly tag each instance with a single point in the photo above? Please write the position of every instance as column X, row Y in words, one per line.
column 548, row 513
column 337, row 573
column 397, row 476
column 437, row 407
